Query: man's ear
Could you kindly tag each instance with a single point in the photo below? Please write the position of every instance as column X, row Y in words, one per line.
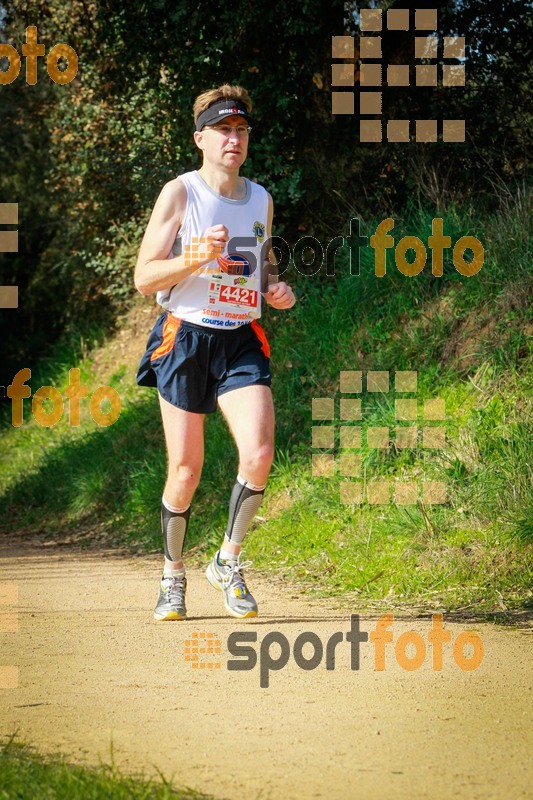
column 198, row 139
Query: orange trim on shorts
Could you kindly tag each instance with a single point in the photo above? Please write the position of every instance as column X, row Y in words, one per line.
column 170, row 328
column 261, row 335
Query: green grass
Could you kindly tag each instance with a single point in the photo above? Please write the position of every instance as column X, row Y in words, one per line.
column 25, row 774
column 468, row 340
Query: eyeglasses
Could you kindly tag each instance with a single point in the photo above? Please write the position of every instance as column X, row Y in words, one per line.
column 227, row 130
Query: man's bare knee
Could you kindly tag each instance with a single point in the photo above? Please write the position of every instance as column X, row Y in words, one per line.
column 258, row 460
column 184, row 477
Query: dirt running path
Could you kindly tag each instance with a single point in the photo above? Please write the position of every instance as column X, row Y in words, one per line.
column 95, row 668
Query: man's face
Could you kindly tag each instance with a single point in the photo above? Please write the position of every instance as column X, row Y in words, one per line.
column 220, row 145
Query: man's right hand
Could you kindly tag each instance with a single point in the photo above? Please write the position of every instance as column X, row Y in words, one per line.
column 213, row 242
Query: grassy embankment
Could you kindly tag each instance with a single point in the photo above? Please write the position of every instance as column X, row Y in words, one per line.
column 467, row 338
column 26, row 775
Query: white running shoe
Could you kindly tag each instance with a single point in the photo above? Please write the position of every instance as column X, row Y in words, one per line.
column 227, row 577
column 171, row 600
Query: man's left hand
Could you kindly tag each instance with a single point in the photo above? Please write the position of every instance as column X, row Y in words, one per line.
column 280, row 295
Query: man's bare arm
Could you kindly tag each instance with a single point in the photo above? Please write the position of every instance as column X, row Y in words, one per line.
column 154, row 270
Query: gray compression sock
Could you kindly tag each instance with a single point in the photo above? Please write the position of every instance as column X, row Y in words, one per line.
column 174, row 523
column 243, row 506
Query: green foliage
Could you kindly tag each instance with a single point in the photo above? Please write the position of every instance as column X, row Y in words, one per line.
column 24, row 774
column 112, row 260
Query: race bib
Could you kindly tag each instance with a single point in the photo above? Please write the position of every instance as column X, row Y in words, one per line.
column 234, row 293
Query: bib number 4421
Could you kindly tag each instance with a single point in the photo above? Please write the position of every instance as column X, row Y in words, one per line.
column 239, row 295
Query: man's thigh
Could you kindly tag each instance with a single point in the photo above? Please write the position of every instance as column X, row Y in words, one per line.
column 184, row 435
column 249, row 412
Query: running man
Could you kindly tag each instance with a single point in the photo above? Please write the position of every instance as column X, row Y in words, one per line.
column 207, row 348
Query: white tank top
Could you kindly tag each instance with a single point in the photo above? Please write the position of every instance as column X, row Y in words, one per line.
column 206, row 297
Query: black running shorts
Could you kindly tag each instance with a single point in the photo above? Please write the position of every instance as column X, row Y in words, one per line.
column 192, row 365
